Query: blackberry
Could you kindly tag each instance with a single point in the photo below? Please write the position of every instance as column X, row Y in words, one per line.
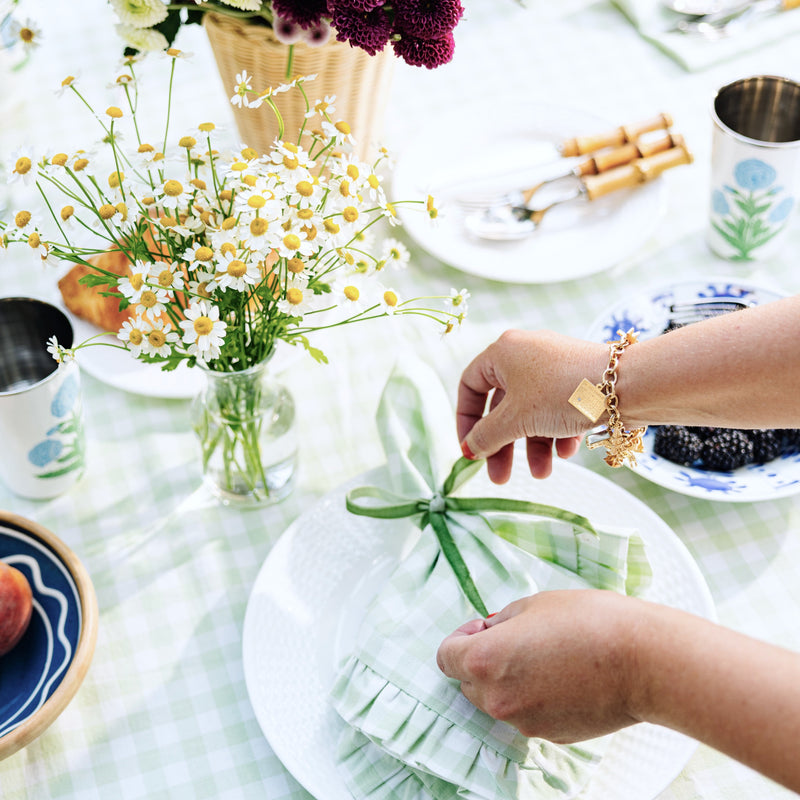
column 790, row 439
column 703, row 431
column 677, row 444
column 726, row 450
column 766, row 445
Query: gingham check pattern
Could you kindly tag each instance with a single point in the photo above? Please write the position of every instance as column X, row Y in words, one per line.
column 391, row 692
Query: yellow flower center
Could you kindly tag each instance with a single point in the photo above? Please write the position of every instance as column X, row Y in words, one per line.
column 59, row 159
column 344, row 188
column 228, row 247
column 373, row 181
column 259, row 226
column 27, row 35
column 342, row 127
column 351, row 293
column 256, row 201
column 290, row 146
column 23, row 165
column 115, row 179
column 295, row 265
column 350, row 214
column 123, row 210
column 68, row 80
column 238, row 166
column 290, row 162
column 291, row 241
column 228, row 224
column 114, row 112
column 166, row 278
column 391, row 210
column 148, row 201
column 305, row 189
column 145, row 148
column 249, row 153
column 174, row 52
column 157, row 338
column 135, row 337
column 310, row 231
column 67, row 212
column 206, row 127
column 187, row 142
column 390, row 298
column 225, row 195
column 203, row 326
column 137, row 281
column 352, row 171
column 331, row 226
column 123, row 79
column 198, row 183
column 173, row 188
column 458, row 300
column 236, row 268
column 294, row 296
column 203, row 253
column 106, row 211
column 148, row 298
column 305, row 213
column 249, row 180
column 202, row 290
column 34, row 240
column 167, row 221
column 22, row 218
column 80, row 163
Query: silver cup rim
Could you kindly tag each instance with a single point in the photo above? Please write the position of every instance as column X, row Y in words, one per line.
column 794, row 143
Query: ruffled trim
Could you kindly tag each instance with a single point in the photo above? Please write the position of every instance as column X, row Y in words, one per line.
column 489, row 768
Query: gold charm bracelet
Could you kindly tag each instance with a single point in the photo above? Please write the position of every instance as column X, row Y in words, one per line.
column 592, row 400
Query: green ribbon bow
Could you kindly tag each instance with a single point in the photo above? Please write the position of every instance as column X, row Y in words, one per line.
column 437, row 510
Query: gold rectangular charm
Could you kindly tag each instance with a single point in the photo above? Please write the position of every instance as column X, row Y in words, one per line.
column 589, row 400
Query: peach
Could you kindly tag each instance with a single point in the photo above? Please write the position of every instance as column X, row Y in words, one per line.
column 16, row 606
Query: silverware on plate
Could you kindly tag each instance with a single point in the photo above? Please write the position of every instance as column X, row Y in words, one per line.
column 515, row 220
column 719, row 24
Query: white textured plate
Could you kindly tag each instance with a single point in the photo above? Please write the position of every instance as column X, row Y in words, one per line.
column 505, row 147
column 648, row 313
column 311, row 592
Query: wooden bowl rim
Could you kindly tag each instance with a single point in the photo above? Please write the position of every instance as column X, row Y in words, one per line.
column 43, row 717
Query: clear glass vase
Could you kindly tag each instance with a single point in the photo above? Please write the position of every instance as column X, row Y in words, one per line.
column 244, row 422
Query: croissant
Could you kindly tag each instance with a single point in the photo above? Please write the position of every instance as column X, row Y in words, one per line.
column 87, row 302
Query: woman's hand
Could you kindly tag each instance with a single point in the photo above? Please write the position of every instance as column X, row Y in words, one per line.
column 527, row 379
column 556, row 665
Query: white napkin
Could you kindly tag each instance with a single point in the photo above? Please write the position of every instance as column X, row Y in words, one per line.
column 694, row 52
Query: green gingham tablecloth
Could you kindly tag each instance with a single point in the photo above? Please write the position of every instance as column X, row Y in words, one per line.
column 163, row 711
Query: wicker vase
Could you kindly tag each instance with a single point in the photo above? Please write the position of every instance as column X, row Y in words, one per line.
column 360, row 82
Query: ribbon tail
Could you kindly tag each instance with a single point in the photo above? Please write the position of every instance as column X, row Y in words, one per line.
column 391, row 506
column 456, row 561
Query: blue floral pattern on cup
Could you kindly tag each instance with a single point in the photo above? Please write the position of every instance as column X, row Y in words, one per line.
column 750, row 214
column 63, row 449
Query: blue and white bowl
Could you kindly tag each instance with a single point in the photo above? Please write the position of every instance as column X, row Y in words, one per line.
column 649, row 313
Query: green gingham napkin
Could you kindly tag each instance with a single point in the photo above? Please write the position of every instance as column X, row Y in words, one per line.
column 694, row 52
column 410, row 732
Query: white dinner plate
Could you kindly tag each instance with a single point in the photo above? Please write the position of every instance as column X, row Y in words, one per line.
column 507, row 147
column 312, row 591
column 648, row 313
column 121, row 370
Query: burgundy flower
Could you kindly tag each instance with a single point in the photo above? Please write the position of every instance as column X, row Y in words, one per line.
column 355, row 5
column 427, row 19
column 369, row 30
column 305, row 13
column 430, row 53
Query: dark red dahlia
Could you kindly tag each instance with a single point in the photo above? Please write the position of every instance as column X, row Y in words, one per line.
column 427, row 19
column 305, row 13
column 355, row 5
column 430, row 53
column 369, row 30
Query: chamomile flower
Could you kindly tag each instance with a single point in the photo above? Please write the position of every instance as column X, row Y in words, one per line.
column 390, row 301
column 458, row 300
column 25, row 32
column 132, row 286
column 298, row 301
column 339, row 132
column 172, row 193
column 24, row 168
column 324, row 107
column 159, row 338
column 61, row 354
column 203, row 330
column 234, row 273
column 199, row 256
column 396, row 253
column 293, row 243
column 168, row 277
column 133, row 333
column 242, row 90
column 152, row 302
column 65, row 84
column 40, row 247
column 353, row 293
column 202, row 284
